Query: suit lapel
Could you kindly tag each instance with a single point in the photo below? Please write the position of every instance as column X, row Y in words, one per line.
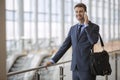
column 76, row 29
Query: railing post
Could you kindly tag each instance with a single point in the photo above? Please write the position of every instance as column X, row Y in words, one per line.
column 106, row 77
column 61, row 73
column 116, row 66
column 37, row 76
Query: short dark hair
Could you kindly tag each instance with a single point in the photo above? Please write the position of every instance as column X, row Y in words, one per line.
column 81, row 5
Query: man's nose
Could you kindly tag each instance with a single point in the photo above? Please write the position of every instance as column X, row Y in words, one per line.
column 79, row 12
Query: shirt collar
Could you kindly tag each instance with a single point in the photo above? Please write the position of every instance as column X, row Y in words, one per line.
column 79, row 25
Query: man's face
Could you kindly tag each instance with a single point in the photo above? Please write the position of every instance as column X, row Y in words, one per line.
column 79, row 12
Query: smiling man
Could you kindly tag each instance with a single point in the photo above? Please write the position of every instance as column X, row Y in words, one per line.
column 82, row 37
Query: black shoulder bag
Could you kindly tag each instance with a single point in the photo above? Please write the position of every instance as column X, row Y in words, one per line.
column 99, row 61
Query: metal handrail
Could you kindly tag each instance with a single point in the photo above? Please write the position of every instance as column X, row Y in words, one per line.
column 40, row 67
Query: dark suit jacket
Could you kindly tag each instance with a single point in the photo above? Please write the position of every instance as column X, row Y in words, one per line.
column 81, row 47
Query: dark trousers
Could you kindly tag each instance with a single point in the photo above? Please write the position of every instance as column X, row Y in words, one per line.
column 82, row 75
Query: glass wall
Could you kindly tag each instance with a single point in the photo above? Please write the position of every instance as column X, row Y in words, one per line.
column 47, row 22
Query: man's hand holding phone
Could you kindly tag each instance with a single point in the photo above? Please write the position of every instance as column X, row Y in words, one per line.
column 86, row 19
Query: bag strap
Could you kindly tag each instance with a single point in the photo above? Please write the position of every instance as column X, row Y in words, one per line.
column 101, row 42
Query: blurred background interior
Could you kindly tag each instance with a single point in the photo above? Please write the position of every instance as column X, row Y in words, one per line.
column 35, row 29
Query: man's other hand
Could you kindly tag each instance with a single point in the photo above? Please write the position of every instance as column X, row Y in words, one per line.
column 48, row 64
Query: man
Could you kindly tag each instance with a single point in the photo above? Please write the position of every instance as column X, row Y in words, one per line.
column 82, row 38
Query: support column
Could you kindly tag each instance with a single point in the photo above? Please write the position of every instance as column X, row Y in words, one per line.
column 118, row 19
column 62, row 21
column 103, row 19
column 89, row 8
column 97, row 3
column 81, row 1
column 114, row 25
column 50, row 22
column 20, row 20
column 2, row 41
column 72, row 8
column 35, row 13
column 109, row 20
